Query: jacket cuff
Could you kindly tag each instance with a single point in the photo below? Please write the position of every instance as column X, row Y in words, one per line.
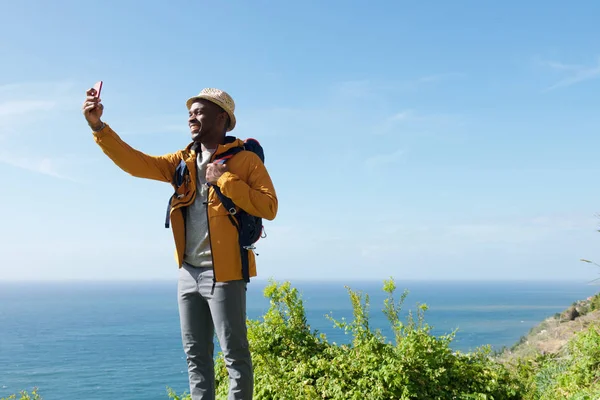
column 102, row 130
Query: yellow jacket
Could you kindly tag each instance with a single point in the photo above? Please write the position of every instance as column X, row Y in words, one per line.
column 247, row 184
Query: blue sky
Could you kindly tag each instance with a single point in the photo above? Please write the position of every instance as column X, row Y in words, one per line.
column 419, row 141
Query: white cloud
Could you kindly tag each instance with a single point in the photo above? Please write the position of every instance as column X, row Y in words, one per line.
column 45, row 165
column 55, row 92
column 469, row 235
column 23, row 108
column 19, row 107
column 413, row 122
column 439, row 77
column 574, row 74
column 353, row 89
column 402, row 116
column 561, row 66
column 26, row 104
column 384, row 159
column 377, row 90
column 336, row 111
column 383, row 242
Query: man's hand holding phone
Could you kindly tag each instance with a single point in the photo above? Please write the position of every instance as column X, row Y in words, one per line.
column 92, row 107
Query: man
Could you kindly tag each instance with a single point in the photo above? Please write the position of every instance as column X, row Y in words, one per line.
column 211, row 288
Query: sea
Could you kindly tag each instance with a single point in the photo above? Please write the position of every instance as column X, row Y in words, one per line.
column 109, row 340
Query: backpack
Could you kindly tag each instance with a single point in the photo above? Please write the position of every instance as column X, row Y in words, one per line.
column 250, row 227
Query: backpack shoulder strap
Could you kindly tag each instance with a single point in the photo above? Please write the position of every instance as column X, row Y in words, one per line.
column 222, row 159
column 178, row 178
column 247, row 226
column 226, row 156
column 250, row 144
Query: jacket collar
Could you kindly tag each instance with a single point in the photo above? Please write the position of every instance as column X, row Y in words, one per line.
column 230, row 142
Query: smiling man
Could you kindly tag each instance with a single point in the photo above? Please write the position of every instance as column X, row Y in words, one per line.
column 213, row 273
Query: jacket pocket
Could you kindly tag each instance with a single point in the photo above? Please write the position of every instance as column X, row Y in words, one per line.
column 183, row 184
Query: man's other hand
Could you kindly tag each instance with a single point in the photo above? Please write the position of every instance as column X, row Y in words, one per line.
column 214, row 172
column 92, row 110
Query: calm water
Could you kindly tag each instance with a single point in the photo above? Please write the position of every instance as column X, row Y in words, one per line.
column 121, row 340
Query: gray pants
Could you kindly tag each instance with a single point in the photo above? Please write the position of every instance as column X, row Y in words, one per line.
column 201, row 315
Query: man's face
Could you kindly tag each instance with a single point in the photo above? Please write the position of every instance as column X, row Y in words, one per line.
column 205, row 120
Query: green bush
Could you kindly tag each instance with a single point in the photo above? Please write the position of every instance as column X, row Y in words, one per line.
column 595, row 302
column 572, row 374
column 24, row 395
column 291, row 361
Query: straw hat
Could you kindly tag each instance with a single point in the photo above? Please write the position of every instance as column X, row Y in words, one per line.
column 220, row 98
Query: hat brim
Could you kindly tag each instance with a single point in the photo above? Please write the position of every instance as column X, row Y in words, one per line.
column 232, row 120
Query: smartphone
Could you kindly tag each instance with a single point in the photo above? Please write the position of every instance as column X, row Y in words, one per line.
column 98, row 88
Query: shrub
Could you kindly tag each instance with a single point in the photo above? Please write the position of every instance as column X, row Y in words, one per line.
column 24, row 395
column 595, row 302
column 291, row 361
column 572, row 374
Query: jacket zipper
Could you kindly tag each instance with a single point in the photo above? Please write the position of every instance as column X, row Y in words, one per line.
column 207, row 221
column 212, row 291
column 181, row 206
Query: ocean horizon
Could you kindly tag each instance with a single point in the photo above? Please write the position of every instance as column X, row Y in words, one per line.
column 109, row 339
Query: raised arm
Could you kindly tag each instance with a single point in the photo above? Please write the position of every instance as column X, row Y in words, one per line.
column 127, row 158
column 134, row 162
